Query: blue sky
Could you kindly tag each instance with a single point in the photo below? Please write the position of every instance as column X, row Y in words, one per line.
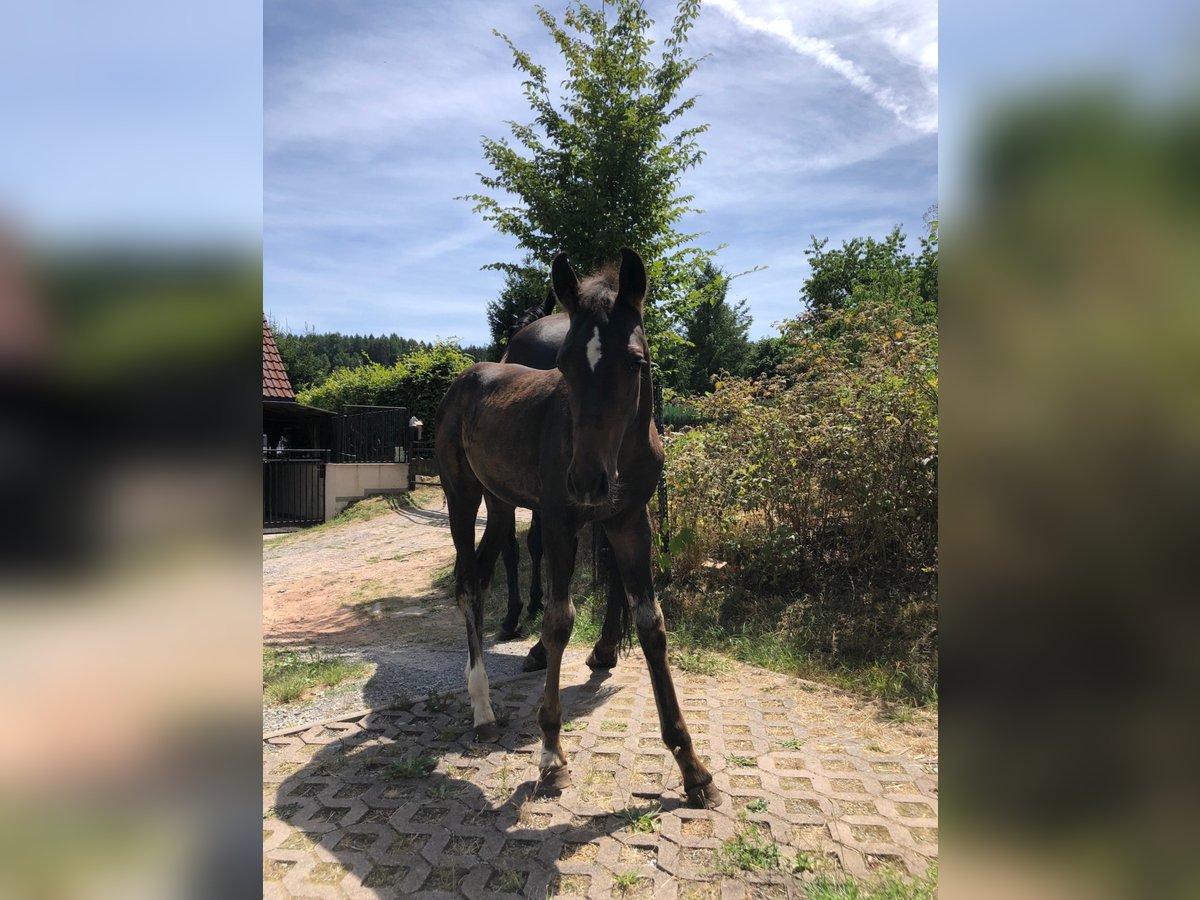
column 823, row 120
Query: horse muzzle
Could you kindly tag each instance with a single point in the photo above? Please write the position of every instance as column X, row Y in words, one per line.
column 587, row 490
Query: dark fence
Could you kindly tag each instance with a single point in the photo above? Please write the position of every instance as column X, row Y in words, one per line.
column 422, row 464
column 373, row 434
column 293, row 488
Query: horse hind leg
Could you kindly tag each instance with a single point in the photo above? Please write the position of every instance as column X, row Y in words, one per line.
column 500, row 538
column 510, row 628
column 618, row 626
column 535, row 556
column 468, row 592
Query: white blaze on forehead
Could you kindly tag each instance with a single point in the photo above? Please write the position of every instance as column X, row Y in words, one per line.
column 593, row 349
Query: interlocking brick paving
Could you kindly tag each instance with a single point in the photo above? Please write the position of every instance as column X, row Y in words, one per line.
column 822, row 776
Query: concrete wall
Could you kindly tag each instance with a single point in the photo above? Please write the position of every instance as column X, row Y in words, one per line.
column 346, row 482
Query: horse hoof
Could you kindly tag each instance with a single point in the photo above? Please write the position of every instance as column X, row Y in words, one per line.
column 552, row 782
column 532, row 663
column 510, row 634
column 704, row 796
column 598, row 660
column 487, row 733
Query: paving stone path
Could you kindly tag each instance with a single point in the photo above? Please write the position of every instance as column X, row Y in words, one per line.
column 401, row 803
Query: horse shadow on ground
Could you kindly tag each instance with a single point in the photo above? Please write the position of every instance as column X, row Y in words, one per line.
column 403, row 803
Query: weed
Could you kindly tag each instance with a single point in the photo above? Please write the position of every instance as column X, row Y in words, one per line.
column 889, row 886
column 791, row 744
column 413, row 767
column 802, row 862
column 874, row 747
column 503, row 786
column 739, row 761
column 627, row 881
column 698, row 662
column 748, row 851
column 290, row 675
column 510, row 882
column 401, row 700
column 443, row 791
column 437, row 702
column 574, row 725
column 902, row 715
column 642, row 818
column 757, row 805
column 613, row 725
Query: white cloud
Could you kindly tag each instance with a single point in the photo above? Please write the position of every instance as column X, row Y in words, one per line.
column 911, row 44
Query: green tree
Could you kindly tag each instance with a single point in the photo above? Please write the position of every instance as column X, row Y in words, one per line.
column 525, row 286
column 882, row 265
column 716, row 331
column 598, row 169
column 765, row 356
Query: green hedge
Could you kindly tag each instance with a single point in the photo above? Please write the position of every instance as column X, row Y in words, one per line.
column 417, row 382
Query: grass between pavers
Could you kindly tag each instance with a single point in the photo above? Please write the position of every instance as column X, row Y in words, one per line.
column 888, row 886
column 751, row 849
column 291, row 675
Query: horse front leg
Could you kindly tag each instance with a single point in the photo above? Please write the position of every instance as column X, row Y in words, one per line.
column 631, row 543
column 557, row 622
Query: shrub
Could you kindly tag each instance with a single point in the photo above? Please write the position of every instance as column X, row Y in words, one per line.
column 418, row 381
column 818, row 485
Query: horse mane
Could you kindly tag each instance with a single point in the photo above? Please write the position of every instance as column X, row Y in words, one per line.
column 534, row 313
column 598, row 291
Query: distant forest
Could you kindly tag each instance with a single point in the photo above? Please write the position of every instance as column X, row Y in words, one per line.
column 310, row 357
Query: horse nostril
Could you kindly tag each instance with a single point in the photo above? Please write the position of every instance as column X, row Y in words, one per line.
column 602, row 488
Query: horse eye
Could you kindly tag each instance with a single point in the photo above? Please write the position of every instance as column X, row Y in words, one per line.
column 636, row 362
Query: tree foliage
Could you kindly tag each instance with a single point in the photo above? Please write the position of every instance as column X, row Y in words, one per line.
column 310, row 357
column 599, row 168
column 716, row 333
column 417, row 381
column 881, row 265
column 525, row 287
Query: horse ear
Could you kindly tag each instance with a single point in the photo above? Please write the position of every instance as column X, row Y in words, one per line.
column 631, row 288
column 566, row 285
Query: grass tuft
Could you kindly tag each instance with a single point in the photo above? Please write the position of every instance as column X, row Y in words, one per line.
column 642, row 819
column 414, row 767
column 291, row 675
column 748, row 851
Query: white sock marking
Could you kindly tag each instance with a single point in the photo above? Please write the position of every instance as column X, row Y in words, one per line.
column 593, row 349
column 477, row 687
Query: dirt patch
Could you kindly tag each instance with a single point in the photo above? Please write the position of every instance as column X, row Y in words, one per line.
column 365, row 582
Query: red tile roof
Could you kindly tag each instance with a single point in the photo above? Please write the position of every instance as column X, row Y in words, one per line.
column 275, row 380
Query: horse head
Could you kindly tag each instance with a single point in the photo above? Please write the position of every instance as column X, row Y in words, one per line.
column 605, row 363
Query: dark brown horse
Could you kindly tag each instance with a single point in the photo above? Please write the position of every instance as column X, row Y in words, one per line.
column 576, row 444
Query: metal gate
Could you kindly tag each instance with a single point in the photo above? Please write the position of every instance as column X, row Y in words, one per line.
column 422, row 464
column 373, row 434
column 293, row 488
